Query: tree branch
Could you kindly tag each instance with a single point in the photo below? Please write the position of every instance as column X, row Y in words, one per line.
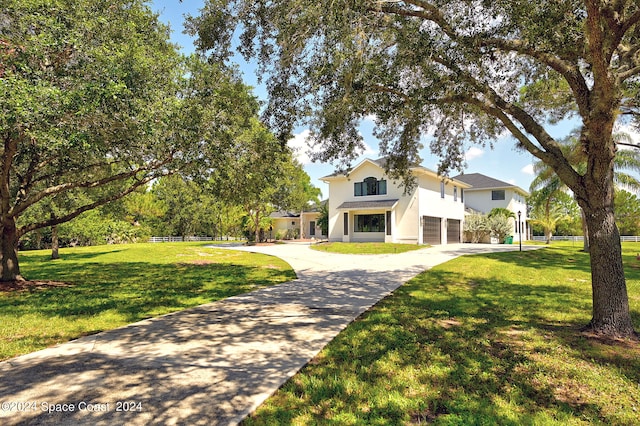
column 58, row 220
column 378, row 88
column 568, row 70
column 631, row 21
column 53, row 190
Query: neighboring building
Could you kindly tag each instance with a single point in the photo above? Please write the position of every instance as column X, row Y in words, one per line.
column 487, row 193
column 291, row 225
column 366, row 206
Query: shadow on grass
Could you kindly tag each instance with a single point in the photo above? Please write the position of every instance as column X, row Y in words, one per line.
column 70, row 256
column 106, row 295
column 136, row 289
column 443, row 348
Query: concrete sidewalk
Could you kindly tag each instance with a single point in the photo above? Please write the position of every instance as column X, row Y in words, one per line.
column 213, row 364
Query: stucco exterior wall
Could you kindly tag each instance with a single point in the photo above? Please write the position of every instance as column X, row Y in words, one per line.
column 283, row 224
column 432, row 204
column 514, row 201
column 406, row 216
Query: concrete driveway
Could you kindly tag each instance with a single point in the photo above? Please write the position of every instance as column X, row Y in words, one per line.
column 213, row 364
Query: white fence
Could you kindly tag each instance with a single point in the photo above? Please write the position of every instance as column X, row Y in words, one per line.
column 178, row 239
column 580, row 238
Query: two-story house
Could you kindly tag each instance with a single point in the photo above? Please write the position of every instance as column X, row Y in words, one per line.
column 487, row 193
column 365, row 205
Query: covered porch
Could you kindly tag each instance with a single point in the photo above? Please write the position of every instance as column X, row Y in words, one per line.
column 368, row 221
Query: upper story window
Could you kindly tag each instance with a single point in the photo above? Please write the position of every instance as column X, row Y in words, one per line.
column 442, row 189
column 370, row 186
column 455, row 193
column 498, row 194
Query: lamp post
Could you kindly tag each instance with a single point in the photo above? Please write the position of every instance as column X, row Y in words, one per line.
column 520, row 229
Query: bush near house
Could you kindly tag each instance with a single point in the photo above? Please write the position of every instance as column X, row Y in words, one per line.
column 477, row 227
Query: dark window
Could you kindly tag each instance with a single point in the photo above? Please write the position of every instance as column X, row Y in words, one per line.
column 370, row 186
column 498, row 194
column 382, row 187
column 388, row 223
column 357, row 189
column 369, row 223
column 462, row 195
column 345, row 223
column 442, row 189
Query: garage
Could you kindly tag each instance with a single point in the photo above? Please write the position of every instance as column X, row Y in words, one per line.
column 453, row 231
column 431, row 230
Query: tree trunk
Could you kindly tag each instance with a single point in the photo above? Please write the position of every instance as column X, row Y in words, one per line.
column 610, row 301
column 257, row 224
column 585, row 232
column 9, row 267
column 55, row 244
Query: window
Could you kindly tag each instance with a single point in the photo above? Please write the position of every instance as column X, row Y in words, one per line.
column 345, row 224
column 462, row 195
column 369, row 223
column 388, row 223
column 442, row 189
column 370, row 186
column 498, row 194
column 455, row 193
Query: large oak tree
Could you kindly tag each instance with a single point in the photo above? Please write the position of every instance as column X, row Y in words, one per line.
column 462, row 71
column 94, row 103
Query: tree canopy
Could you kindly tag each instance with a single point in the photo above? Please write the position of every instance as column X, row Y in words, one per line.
column 462, row 71
column 96, row 102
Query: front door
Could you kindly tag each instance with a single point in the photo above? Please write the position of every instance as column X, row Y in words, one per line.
column 312, row 228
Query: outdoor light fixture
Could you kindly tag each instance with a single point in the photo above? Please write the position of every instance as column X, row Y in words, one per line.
column 520, row 229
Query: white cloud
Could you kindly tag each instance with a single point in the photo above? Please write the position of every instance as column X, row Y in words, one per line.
column 473, row 153
column 302, row 151
column 369, row 152
column 300, row 148
column 528, row 170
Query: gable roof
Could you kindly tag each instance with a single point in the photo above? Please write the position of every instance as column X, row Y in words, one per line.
column 382, row 162
column 479, row 181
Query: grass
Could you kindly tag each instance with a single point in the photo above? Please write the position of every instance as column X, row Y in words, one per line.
column 482, row 340
column 366, row 248
column 115, row 285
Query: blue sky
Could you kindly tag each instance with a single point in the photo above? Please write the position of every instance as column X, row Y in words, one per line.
column 502, row 162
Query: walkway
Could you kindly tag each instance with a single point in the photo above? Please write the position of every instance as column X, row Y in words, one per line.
column 215, row 363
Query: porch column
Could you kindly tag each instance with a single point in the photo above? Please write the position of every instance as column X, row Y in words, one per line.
column 389, row 218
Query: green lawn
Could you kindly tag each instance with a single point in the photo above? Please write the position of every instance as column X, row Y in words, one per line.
column 366, row 248
column 482, row 340
column 115, row 285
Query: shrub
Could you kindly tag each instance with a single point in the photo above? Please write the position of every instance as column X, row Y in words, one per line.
column 500, row 227
column 476, row 227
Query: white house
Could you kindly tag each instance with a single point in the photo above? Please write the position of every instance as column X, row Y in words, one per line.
column 366, row 205
column 291, row 225
column 487, row 193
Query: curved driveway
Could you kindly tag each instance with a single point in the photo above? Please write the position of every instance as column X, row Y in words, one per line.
column 215, row 363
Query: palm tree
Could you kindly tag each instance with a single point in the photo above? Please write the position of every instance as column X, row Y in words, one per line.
column 549, row 183
column 548, row 217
